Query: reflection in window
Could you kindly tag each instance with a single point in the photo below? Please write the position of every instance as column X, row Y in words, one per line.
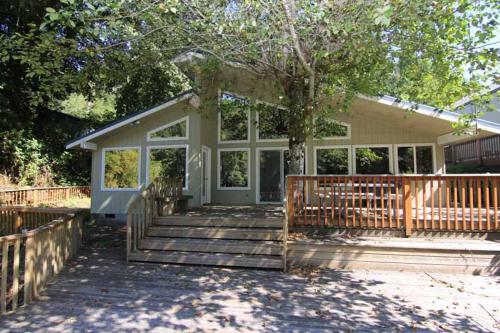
column 121, row 169
column 233, row 169
column 273, row 122
column 177, row 129
column 406, row 160
column 372, row 161
column 332, row 161
column 328, row 128
column 419, row 158
column 167, row 163
column 234, row 118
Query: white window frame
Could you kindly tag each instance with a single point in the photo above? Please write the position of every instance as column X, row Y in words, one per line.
column 219, row 169
column 219, row 119
column 391, row 155
column 186, row 146
column 103, row 167
column 347, row 137
column 176, row 138
column 349, row 157
column 258, row 139
column 257, row 170
column 414, row 146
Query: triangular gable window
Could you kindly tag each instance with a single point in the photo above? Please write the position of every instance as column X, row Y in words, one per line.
column 177, row 130
column 327, row 128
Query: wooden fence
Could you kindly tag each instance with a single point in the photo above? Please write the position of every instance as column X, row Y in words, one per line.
column 40, row 195
column 29, row 260
column 464, row 203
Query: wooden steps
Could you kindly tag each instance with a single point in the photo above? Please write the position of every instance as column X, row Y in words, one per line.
column 216, row 233
column 212, row 259
column 213, row 240
column 211, row 246
column 215, row 221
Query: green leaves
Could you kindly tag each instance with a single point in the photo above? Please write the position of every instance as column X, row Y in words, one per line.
column 383, row 15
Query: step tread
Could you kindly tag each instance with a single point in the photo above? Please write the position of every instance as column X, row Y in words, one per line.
column 215, row 259
column 215, row 232
column 212, row 245
column 213, row 221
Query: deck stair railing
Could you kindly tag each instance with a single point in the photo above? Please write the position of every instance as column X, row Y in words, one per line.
column 144, row 208
column 458, row 203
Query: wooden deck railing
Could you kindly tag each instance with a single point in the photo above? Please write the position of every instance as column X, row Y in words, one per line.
column 29, row 260
column 40, row 195
column 140, row 216
column 467, row 203
column 16, row 219
column 142, row 210
column 480, row 151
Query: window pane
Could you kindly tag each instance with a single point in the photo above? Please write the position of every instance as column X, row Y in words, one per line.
column 234, row 118
column 405, row 160
column 270, row 175
column 424, row 160
column 273, row 122
column 121, row 168
column 329, row 128
column 372, row 161
column 167, row 163
column 175, row 131
column 234, row 169
column 332, row 161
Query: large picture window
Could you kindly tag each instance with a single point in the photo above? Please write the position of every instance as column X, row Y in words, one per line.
column 234, row 169
column 234, row 119
column 332, row 161
column 372, row 160
column 177, row 130
column 327, row 128
column 415, row 159
column 272, row 122
column 121, row 168
column 168, row 162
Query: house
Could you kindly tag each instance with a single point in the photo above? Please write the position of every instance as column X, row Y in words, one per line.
column 228, row 142
column 475, row 152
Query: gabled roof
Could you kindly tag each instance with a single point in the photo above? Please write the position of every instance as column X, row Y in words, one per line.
column 129, row 119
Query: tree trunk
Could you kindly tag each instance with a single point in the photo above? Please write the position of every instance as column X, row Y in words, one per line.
column 297, row 95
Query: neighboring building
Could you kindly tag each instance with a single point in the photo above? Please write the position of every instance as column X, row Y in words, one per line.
column 229, row 143
column 470, row 154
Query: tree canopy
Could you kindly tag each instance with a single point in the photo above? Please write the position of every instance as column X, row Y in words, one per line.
column 423, row 51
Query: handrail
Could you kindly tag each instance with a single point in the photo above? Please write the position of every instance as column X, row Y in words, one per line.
column 43, row 251
column 408, row 203
column 144, row 208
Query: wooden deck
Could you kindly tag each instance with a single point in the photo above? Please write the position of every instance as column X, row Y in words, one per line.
column 100, row 292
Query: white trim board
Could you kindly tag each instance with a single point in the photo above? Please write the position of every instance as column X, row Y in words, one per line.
column 186, row 146
column 173, row 138
column 139, row 161
column 414, row 145
column 219, row 169
column 219, row 120
column 130, row 120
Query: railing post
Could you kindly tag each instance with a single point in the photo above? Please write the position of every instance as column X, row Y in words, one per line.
column 18, row 222
column 288, row 218
column 129, row 234
column 407, row 209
